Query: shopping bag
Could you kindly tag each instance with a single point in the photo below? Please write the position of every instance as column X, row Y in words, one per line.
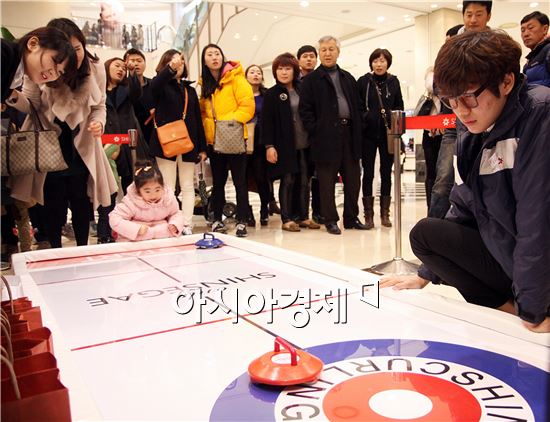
column 35, row 397
column 30, row 365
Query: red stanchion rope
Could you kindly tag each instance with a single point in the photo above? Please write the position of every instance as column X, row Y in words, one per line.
column 438, row 121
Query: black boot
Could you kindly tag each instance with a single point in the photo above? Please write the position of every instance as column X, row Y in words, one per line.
column 250, row 221
column 368, row 205
column 274, row 208
column 385, row 202
column 264, row 216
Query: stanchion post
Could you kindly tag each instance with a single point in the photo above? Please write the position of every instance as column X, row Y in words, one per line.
column 397, row 265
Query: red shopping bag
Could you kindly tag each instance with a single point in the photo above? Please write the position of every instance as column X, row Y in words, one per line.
column 35, row 397
column 30, row 314
column 29, row 347
column 30, row 364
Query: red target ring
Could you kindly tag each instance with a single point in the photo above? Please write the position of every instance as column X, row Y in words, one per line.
column 354, row 398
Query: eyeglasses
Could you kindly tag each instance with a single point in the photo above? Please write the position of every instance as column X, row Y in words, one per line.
column 468, row 99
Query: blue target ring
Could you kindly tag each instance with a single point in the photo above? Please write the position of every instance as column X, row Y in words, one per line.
column 244, row 401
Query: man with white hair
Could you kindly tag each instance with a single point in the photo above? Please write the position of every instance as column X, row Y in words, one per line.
column 329, row 109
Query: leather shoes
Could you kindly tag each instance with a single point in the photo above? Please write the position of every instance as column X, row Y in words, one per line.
column 355, row 224
column 333, row 228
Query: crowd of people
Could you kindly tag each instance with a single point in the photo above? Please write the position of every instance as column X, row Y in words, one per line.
column 316, row 124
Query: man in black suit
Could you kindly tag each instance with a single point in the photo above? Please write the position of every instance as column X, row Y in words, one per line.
column 329, row 109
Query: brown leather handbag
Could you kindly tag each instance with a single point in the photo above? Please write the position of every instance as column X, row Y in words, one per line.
column 173, row 136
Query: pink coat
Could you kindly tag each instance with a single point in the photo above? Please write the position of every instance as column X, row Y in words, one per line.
column 133, row 212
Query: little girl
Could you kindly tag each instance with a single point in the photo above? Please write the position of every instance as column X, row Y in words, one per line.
column 149, row 210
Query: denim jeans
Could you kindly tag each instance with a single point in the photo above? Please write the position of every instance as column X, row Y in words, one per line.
column 445, row 177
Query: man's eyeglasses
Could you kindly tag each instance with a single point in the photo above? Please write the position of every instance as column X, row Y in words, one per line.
column 468, row 99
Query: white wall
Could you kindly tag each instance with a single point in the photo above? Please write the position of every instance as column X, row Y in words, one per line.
column 21, row 17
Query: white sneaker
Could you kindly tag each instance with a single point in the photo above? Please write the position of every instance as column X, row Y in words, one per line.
column 186, row 231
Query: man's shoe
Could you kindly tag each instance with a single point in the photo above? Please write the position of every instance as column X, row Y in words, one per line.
column 333, row 228
column 318, row 219
column 219, row 227
column 241, row 230
column 309, row 224
column 273, row 208
column 355, row 224
column 290, row 226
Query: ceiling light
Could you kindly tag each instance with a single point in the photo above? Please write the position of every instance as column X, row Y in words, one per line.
column 408, row 19
column 459, row 6
column 304, row 3
column 533, row 4
column 237, row 36
column 406, row 16
column 93, row 4
column 275, row 17
column 254, row 38
column 433, row 6
column 257, row 14
column 380, row 18
column 508, row 25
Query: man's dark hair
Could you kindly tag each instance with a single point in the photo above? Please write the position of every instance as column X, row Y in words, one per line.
column 476, row 59
column 134, row 51
column 451, row 32
column 488, row 5
column 306, row 49
column 541, row 17
column 380, row 52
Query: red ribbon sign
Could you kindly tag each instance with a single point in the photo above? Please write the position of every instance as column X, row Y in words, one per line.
column 115, row 138
column 438, row 121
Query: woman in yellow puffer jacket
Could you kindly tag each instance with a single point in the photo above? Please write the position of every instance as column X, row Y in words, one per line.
column 224, row 86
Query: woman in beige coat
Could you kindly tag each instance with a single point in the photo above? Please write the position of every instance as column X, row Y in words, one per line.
column 76, row 110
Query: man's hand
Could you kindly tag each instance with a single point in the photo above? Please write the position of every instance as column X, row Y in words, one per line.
column 543, row 327
column 403, row 282
column 271, row 155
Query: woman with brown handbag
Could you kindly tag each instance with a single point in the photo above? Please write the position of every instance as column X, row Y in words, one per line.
column 75, row 107
column 226, row 97
column 171, row 91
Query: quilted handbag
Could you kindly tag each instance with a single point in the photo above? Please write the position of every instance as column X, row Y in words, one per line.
column 173, row 136
column 229, row 136
column 26, row 152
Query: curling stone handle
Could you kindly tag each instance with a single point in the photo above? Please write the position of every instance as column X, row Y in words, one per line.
column 279, row 341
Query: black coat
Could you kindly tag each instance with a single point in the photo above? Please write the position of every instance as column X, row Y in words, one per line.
column 169, row 102
column 10, row 62
column 374, row 127
column 278, row 130
column 143, row 105
column 319, row 114
column 120, row 118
